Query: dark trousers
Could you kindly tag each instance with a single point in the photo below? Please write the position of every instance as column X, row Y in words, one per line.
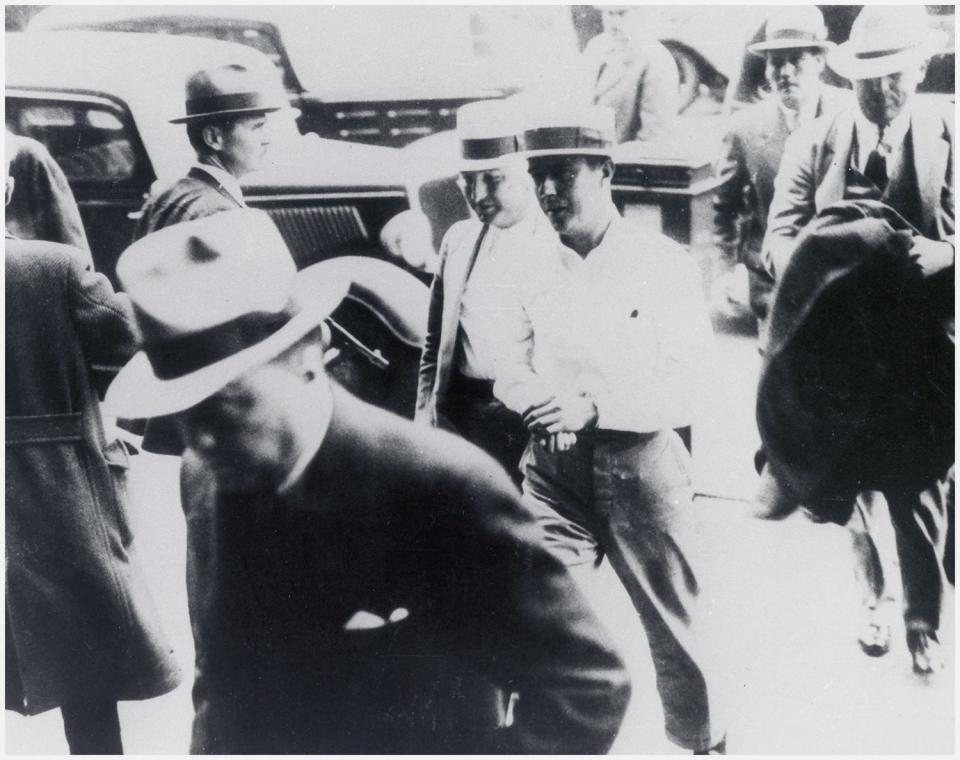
column 475, row 414
column 92, row 727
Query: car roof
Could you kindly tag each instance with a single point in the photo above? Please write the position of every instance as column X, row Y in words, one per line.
column 148, row 71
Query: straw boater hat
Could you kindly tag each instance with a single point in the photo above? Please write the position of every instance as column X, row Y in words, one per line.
column 489, row 132
column 232, row 90
column 213, row 298
column 585, row 131
column 793, row 27
column 884, row 40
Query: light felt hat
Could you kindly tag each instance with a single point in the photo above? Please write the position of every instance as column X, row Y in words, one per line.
column 886, row 39
column 213, row 298
column 489, row 132
column 231, row 90
column 791, row 28
column 585, row 131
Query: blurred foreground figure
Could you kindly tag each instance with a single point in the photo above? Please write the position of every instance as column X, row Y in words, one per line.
column 607, row 357
column 81, row 630
column 481, row 263
column 43, row 208
column 890, row 158
column 357, row 583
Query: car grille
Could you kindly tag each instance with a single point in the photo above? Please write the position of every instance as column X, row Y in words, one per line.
column 311, row 231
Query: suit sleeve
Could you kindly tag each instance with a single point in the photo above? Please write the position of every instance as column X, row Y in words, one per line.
column 104, row 319
column 793, row 204
column 431, row 345
column 659, row 96
column 728, row 202
column 538, row 631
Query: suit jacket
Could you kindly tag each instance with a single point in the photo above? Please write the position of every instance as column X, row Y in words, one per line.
column 641, row 87
column 813, row 175
column 192, row 197
column 43, row 206
column 422, row 534
column 79, row 620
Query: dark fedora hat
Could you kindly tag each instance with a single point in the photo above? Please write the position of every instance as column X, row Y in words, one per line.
column 232, row 90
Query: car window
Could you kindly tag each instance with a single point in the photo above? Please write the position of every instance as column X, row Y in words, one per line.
column 92, row 141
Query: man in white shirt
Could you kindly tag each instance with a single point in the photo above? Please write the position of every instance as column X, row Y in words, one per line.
column 227, row 125
column 608, row 355
column 481, row 263
column 896, row 149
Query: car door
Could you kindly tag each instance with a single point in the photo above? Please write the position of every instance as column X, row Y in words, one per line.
column 95, row 142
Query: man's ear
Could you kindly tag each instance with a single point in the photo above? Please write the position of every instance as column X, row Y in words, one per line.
column 8, row 194
column 607, row 169
column 212, row 136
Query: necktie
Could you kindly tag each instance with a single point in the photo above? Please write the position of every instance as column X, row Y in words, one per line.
column 876, row 168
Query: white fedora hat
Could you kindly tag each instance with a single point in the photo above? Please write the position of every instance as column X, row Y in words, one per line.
column 886, row 39
column 793, row 27
column 489, row 132
column 580, row 131
column 232, row 91
column 213, row 298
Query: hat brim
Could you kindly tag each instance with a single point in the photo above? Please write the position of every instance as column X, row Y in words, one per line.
column 137, row 393
column 485, row 164
column 844, row 61
column 759, row 48
column 230, row 112
column 604, row 152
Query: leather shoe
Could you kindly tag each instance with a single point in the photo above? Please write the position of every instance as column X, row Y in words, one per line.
column 925, row 650
column 720, row 748
column 874, row 638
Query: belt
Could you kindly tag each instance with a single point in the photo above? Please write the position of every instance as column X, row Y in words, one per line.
column 44, row 428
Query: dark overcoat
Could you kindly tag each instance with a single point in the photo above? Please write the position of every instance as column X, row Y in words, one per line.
column 374, row 607
column 79, row 620
column 192, row 197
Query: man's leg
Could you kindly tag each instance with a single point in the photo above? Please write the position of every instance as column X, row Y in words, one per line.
column 919, row 522
column 643, row 498
column 874, row 570
column 92, row 727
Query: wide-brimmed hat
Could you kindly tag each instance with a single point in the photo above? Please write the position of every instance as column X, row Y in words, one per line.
column 585, row 131
column 231, row 90
column 213, row 298
column 886, row 39
column 793, row 27
column 489, row 132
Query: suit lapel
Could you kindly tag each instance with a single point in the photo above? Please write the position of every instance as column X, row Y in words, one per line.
column 930, row 155
column 199, row 174
column 834, row 160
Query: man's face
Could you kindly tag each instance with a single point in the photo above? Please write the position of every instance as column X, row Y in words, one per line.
column 246, row 434
column 794, row 74
column 244, row 143
column 622, row 24
column 571, row 192
column 883, row 99
column 499, row 197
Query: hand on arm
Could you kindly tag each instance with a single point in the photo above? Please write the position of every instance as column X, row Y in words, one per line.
column 562, row 412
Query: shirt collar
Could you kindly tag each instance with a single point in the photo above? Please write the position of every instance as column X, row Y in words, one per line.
column 893, row 134
column 227, row 181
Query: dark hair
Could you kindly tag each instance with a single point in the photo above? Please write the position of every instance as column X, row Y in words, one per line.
column 195, row 132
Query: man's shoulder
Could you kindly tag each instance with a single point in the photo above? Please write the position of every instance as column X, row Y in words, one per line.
column 43, row 254
column 755, row 118
column 185, row 199
column 466, row 230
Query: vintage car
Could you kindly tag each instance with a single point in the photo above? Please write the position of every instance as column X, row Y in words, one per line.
column 101, row 102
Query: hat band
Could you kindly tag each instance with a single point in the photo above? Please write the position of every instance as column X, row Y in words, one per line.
column 241, row 101
column 489, row 147
column 794, row 34
column 867, row 55
column 565, row 138
column 175, row 357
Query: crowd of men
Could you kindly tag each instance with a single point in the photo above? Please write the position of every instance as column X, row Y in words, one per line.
column 360, row 582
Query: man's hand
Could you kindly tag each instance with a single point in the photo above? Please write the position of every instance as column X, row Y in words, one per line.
column 558, row 442
column 561, row 413
column 932, row 255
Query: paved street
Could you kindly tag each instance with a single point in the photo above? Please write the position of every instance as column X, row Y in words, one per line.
column 779, row 600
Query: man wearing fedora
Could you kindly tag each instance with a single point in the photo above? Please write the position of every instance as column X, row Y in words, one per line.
column 894, row 148
column 357, row 583
column 481, row 260
column 609, row 354
column 794, row 48
column 226, row 121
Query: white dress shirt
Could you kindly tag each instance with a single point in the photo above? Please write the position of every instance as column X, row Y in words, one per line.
column 868, row 137
column 489, row 297
column 627, row 325
column 227, row 181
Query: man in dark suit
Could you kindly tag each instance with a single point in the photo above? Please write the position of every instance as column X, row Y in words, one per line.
column 794, row 47
column 897, row 149
column 226, row 120
column 81, row 629
column 357, row 583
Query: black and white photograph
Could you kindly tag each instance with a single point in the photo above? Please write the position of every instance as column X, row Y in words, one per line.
column 480, row 379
